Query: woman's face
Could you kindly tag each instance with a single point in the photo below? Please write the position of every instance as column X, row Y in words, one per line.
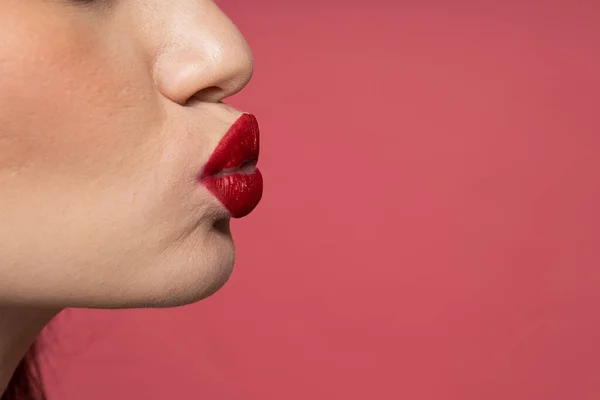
column 109, row 110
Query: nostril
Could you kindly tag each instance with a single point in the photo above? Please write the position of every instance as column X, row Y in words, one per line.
column 211, row 94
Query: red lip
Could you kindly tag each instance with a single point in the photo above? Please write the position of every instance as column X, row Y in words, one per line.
column 231, row 174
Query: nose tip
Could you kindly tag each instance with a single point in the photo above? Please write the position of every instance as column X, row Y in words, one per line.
column 207, row 62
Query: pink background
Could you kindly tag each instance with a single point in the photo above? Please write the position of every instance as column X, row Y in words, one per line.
column 430, row 224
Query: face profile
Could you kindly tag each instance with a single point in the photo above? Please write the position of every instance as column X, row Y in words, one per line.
column 120, row 165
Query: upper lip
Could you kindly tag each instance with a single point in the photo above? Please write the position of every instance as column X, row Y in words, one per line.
column 240, row 145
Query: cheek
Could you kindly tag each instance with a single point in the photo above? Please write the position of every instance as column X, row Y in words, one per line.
column 76, row 102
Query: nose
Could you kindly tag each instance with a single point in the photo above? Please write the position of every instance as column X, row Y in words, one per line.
column 203, row 56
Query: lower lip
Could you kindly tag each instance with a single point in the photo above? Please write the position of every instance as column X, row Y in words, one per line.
column 238, row 189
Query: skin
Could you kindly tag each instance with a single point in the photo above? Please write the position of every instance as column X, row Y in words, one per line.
column 108, row 111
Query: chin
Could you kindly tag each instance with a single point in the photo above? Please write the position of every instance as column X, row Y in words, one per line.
column 191, row 271
column 193, row 291
column 198, row 271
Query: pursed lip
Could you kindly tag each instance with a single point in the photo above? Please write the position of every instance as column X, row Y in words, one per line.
column 230, row 173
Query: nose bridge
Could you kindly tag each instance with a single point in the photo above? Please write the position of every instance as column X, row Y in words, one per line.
column 201, row 53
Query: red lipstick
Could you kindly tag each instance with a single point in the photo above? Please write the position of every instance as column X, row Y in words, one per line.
column 231, row 174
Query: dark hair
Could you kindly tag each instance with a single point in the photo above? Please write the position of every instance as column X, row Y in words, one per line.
column 26, row 382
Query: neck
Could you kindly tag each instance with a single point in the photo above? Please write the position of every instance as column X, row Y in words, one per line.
column 19, row 327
